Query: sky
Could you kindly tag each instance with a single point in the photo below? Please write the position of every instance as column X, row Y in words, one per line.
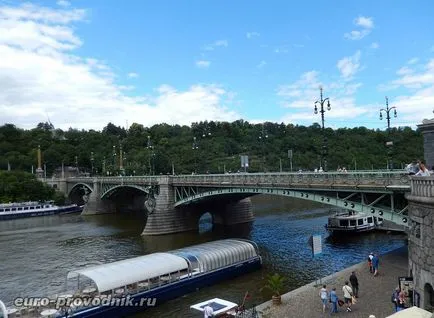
column 83, row 64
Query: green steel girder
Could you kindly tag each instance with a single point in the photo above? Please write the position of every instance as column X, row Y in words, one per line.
column 385, row 212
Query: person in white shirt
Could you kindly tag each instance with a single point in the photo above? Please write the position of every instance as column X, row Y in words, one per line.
column 324, row 297
column 423, row 171
column 208, row 312
column 348, row 293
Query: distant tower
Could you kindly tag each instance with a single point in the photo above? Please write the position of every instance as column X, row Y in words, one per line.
column 39, row 171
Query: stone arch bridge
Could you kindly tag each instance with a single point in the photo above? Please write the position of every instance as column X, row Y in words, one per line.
column 175, row 203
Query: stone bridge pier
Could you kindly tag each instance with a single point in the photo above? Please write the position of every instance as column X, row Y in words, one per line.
column 164, row 218
column 94, row 204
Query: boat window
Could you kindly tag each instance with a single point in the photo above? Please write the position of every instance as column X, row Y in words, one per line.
column 370, row 219
column 360, row 222
column 7, row 210
column 32, row 208
column 352, row 222
column 14, row 209
column 26, row 208
column 343, row 222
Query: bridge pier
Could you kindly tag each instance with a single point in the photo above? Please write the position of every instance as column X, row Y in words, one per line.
column 234, row 213
column 94, row 204
column 421, row 238
column 164, row 218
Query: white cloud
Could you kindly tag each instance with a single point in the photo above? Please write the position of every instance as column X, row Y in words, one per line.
column 365, row 25
column 374, row 45
column 41, row 74
column 301, row 95
column 418, row 102
column 218, row 43
column 364, row 22
column 133, row 75
column 251, row 35
column 261, row 64
column 349, row 66
column 63, row 3
column 203, row 64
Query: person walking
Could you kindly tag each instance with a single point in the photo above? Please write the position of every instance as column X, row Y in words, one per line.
column 375, row 263
column 334, row 301
column 370, row 257
column 323, row 293
column 348, row 293
column 395, row 298
column 354, row 284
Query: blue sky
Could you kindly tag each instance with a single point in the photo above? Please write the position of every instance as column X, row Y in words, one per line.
column 85, row 63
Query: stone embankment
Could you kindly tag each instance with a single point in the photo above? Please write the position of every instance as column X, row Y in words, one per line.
column 374, row 292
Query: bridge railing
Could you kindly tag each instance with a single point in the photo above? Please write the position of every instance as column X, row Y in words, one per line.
column 358, row 178
column 422, row 186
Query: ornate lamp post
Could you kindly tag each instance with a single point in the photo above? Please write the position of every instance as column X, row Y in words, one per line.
column 387, row 111
column 114, row 160
column 91, row 161
column 150, row 147
column 262, row 137
column 321, row 102
column 195, row 146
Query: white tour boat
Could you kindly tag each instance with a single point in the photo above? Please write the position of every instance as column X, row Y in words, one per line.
column 18, row 210
column 352, row 222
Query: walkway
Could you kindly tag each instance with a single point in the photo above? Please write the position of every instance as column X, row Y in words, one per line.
column 305, row 301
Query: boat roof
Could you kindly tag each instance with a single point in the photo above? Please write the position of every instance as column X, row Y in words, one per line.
column 121, row 273
column 19, row 204
column 220, row 253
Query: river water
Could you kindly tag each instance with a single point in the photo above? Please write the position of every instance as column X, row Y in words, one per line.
column 37, row 253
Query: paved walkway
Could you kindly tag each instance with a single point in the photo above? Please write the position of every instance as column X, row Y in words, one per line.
column 374, row 292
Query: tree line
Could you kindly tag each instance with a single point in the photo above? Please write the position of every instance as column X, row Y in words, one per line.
column 19, row 186
column 205, row 147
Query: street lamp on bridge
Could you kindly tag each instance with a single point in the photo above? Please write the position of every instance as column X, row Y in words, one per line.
column 321, row 102
column 389, row 143
column 150, row 147
column 91, row 161
column 195, row 146
column 262, row 137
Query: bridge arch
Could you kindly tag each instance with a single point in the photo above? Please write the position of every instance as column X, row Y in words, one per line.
column 345, row 203
column 76, row 193
column 109, row 192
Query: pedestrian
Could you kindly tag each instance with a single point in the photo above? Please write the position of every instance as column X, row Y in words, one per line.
column 370, row 257
column 324, row 297
column 423, row 171
column 401, row 301
column 334, row 301
column 354, row 284
column 375, row 263
column 208, row 312
column 348, row 293
column 395, row 298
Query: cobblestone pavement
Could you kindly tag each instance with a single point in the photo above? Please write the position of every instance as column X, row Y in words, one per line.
column 374, row 292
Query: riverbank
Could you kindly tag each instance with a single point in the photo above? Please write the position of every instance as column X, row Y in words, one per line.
column 374, row 292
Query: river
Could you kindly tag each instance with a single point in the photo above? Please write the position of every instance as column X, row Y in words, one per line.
column 37, row 253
